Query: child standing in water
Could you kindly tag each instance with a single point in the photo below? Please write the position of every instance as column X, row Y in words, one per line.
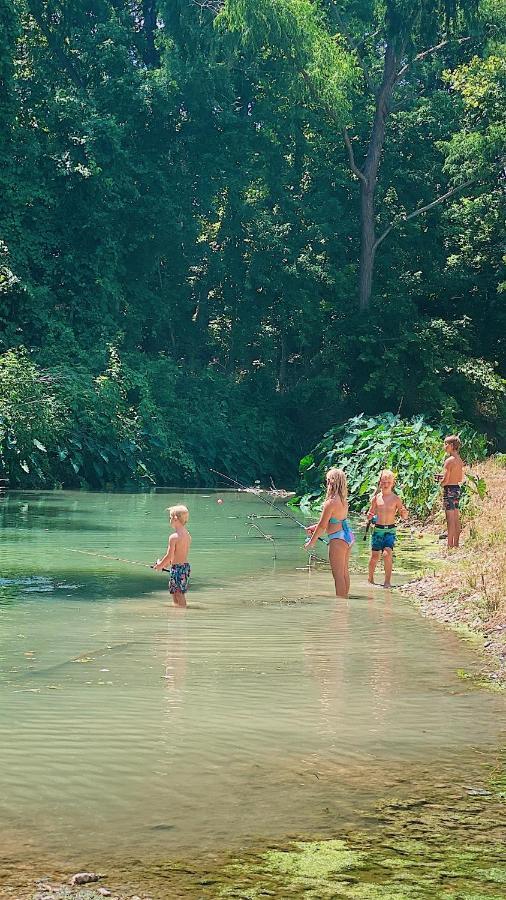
column 386, row 505
column 177, row 555
column 451, row 479
column 334, row 521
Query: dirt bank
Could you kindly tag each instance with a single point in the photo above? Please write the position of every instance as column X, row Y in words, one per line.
column 468, row 588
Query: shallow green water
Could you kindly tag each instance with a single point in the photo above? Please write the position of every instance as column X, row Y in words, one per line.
column 265, row 709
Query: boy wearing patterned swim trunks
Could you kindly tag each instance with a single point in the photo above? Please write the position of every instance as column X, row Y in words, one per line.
column 386, row 505
column 177, row 555
column 451, row 479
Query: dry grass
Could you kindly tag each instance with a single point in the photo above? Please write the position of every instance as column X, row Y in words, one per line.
column 486, row 545
column 470, row 588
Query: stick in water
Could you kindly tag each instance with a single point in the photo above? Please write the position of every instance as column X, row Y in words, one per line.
column 279, row 509
column 133, row 562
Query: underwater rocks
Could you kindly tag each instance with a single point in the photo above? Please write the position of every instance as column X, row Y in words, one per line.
column 84, row 878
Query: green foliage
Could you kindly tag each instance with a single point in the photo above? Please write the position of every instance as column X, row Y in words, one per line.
column 179, row 234
column 131, row 425
column 476, row 485
column 363, row 446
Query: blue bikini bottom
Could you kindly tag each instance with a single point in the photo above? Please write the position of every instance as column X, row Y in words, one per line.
column 344, row 534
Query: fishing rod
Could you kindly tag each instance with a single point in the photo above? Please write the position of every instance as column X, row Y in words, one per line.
column 133, row 562
column 373, row 519
column 283, row 512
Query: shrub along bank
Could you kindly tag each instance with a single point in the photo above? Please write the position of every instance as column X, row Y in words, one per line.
column 126, row 421
column 412, row 448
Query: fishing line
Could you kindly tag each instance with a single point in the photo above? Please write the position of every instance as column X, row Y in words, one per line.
column 133, row 562
column 278, row 509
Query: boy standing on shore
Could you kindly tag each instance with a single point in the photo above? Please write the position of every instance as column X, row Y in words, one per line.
column 177, row 554
column 451, row 479
column 386, row 505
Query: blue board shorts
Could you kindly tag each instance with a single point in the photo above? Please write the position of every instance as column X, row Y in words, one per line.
column 383, row 538
column 179, row 577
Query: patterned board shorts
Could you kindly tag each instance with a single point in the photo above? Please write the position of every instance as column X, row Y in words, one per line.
column 451, row 496
column 383, row 539
column 179, row 576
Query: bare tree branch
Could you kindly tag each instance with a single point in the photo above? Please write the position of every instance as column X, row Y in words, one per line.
column 422, row 209
column 425, row 53
column 351, row 156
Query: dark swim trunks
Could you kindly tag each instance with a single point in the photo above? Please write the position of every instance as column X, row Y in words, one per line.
column 383, row 538
column 179, row 576
column 451, row 496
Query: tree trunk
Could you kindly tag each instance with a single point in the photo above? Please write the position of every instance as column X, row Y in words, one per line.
column 283, row 360
column 367, row 245
column 370, row 172
column 149, row 15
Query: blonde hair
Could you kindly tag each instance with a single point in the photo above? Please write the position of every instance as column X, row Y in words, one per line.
column 454, row 441
column 387, row 473
column 178, row 512
column 337, row 484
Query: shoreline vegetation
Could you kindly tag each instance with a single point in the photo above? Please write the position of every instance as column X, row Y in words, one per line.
column 467, row 590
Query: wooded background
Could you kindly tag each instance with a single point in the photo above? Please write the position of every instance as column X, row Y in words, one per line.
column 227, row 226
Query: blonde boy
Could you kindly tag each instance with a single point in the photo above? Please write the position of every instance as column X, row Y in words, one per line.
column 177, row 554
column 386, row 505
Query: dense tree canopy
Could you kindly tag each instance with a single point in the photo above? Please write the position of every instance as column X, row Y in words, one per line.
column 185, row 192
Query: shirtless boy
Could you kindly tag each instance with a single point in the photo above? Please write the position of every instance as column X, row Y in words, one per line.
column 386, row 505
column 451, row 479
column 177, row 555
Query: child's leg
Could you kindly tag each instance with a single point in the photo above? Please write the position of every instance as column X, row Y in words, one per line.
column 179, row 598
column 449, row 527
column 347, row 571
column 453, row 519
column 338, row 557
column 373, row 562
column 457, row 527
column 388, row 564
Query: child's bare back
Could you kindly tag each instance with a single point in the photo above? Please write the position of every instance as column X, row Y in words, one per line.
column 180, row 541
column 176, row 556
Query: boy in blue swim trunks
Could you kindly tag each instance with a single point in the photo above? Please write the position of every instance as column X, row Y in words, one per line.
column 177, row 555
column 386, row 505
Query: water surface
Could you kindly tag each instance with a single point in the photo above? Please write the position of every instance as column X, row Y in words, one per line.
column 267, row 708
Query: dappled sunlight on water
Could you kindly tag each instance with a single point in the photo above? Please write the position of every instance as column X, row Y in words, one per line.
column 266, row 708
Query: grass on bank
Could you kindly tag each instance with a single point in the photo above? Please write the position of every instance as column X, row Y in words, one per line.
column 470, row 588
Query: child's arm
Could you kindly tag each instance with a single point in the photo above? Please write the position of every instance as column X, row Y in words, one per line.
column 446, row 471
column 401, row 509
column 320, row 526
column 373, row 509
column 166, row 562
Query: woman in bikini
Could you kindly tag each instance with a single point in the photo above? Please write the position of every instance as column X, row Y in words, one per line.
column 334, row 522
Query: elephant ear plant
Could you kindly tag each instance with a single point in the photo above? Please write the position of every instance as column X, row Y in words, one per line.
column 364, row 446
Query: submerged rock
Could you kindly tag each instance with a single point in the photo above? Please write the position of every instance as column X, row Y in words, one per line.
column 84, row 878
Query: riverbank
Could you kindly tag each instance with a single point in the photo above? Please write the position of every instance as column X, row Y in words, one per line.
column 467, row 590
column 441, row 835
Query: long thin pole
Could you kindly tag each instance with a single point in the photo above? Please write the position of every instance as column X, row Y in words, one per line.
column 133, row 562
column 283, row 512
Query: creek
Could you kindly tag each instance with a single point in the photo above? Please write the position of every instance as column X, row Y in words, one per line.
column 265, row 710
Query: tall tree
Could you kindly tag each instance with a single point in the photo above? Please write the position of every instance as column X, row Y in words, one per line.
column 404, row 33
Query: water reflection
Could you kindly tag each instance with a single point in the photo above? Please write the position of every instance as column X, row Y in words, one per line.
column 254, row 711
